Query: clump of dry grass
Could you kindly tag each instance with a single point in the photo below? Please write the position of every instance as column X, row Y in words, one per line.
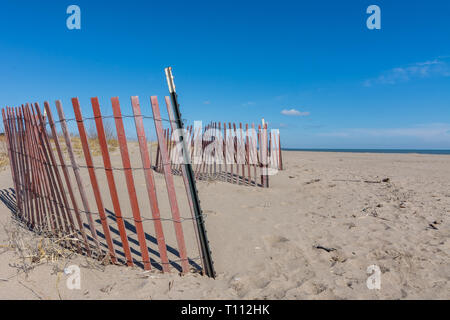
column 32, row 250
column 93, row 141
column 109, row 135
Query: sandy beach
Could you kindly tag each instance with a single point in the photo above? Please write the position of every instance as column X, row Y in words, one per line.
column 312, row 235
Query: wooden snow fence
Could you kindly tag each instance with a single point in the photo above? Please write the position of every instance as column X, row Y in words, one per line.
column 99, row 193
column 235, row 153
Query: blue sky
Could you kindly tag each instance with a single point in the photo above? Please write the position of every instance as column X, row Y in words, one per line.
column 310, row 68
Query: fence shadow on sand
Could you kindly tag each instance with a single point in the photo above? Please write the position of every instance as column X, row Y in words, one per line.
column 8, row 198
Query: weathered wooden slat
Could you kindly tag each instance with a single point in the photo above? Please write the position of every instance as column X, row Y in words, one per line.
column 32, row 163
column 93, row 177
column 19, row 193
column 66, row 175
column 54, row 216
column 48, row 169
column 76, row 171
column 15, row 151
column 55, row 174
column 170, row 185
column 110, row 178
column 37, row 170
column 150, row 183
column 130, row 182
column 25, row 158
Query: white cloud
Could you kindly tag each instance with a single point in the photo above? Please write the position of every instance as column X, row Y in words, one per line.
column 293, row 112
column 433, row 68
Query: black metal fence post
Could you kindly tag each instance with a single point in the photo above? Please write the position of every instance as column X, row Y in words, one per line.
column 206, row 252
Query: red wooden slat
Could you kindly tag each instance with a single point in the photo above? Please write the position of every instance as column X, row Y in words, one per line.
column 130, row 182
column 56, row 174
column 170, row 185
column 32, row 178
column 15, row 148
column 33, row 168
column 76, row 171
column 60, row 213
column 93, row 177
column 36, row 166
column 21, row 193
column 150, row 183
column 66, row 175
column 52, row 186
column 110, row 178
column 21, row 161
column 53, row 215
column 26, row 171
column 37, row 171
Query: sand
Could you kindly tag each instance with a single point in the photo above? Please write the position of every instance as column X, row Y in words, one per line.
column 312, row 235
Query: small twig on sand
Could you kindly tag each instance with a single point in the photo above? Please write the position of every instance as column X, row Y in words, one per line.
column 324, row 248
column 366, row 181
